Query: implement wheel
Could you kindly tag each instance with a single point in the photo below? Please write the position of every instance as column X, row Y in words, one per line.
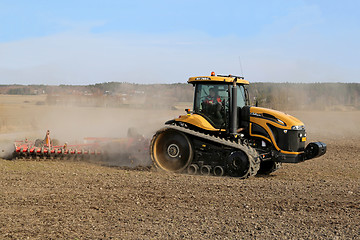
column 171, row 150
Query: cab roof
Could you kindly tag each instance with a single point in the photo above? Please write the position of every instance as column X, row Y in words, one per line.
column 218, row 79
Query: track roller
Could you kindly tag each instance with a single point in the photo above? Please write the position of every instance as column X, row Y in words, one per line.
column 193, row 169
column 205, row 170
column 218, row 171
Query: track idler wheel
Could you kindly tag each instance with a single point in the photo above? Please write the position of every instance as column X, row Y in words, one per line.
column 240, row 164
column 171, row 150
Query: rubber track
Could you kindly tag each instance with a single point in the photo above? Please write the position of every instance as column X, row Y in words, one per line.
column 251, row 152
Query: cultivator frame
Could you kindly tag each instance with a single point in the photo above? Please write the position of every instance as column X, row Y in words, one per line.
column 134, row 146
column 31, row 152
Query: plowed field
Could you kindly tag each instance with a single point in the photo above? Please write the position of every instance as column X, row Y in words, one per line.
column 317, row 199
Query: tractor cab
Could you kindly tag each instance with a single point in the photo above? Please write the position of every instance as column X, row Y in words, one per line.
column 214, row 100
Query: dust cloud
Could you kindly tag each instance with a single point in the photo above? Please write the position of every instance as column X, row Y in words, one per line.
column 6, row 149
column 22, row 119
column 329, row 124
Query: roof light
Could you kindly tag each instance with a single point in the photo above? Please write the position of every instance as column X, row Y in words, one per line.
column 212, row 73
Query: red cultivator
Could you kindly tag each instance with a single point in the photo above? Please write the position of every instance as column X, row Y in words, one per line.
column 24, row 149
column 130, row 151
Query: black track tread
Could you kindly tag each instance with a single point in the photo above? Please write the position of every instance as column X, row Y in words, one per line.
column 251, row 152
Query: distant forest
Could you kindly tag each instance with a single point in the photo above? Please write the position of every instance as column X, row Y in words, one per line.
column 280, row 96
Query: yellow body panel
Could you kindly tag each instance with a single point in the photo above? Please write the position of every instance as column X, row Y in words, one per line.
column 217, row 79
column 198, row 121
column 285, row 121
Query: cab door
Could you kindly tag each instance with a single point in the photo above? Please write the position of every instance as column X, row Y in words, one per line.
column 212, row 102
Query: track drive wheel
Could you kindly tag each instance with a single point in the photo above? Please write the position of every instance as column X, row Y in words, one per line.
column 171, row 150
column 242, row 165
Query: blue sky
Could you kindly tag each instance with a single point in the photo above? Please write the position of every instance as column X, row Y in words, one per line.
column 86, row 42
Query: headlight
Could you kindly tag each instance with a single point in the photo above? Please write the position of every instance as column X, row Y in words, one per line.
column 300, row 127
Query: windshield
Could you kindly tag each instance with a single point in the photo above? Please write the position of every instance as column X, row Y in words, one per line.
column 212, row 101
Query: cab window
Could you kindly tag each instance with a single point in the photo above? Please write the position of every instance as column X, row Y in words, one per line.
column 211, row 101
column 241, row 97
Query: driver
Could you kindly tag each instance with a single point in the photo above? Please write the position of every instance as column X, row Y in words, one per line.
column 212, row 98
column 212, row 106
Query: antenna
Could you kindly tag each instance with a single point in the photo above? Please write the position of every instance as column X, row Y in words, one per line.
column 241, row 69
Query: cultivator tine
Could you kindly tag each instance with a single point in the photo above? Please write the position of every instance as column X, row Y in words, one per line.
column 31, row 152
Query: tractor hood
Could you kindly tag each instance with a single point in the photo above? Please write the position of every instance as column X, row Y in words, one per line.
column 282, row 120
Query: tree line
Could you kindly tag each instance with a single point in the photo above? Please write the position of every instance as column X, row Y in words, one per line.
column 280, row 96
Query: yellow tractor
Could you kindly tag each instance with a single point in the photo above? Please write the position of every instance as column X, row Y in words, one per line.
column 224, row 135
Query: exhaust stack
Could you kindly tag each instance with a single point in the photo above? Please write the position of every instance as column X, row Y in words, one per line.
column 233, row 113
